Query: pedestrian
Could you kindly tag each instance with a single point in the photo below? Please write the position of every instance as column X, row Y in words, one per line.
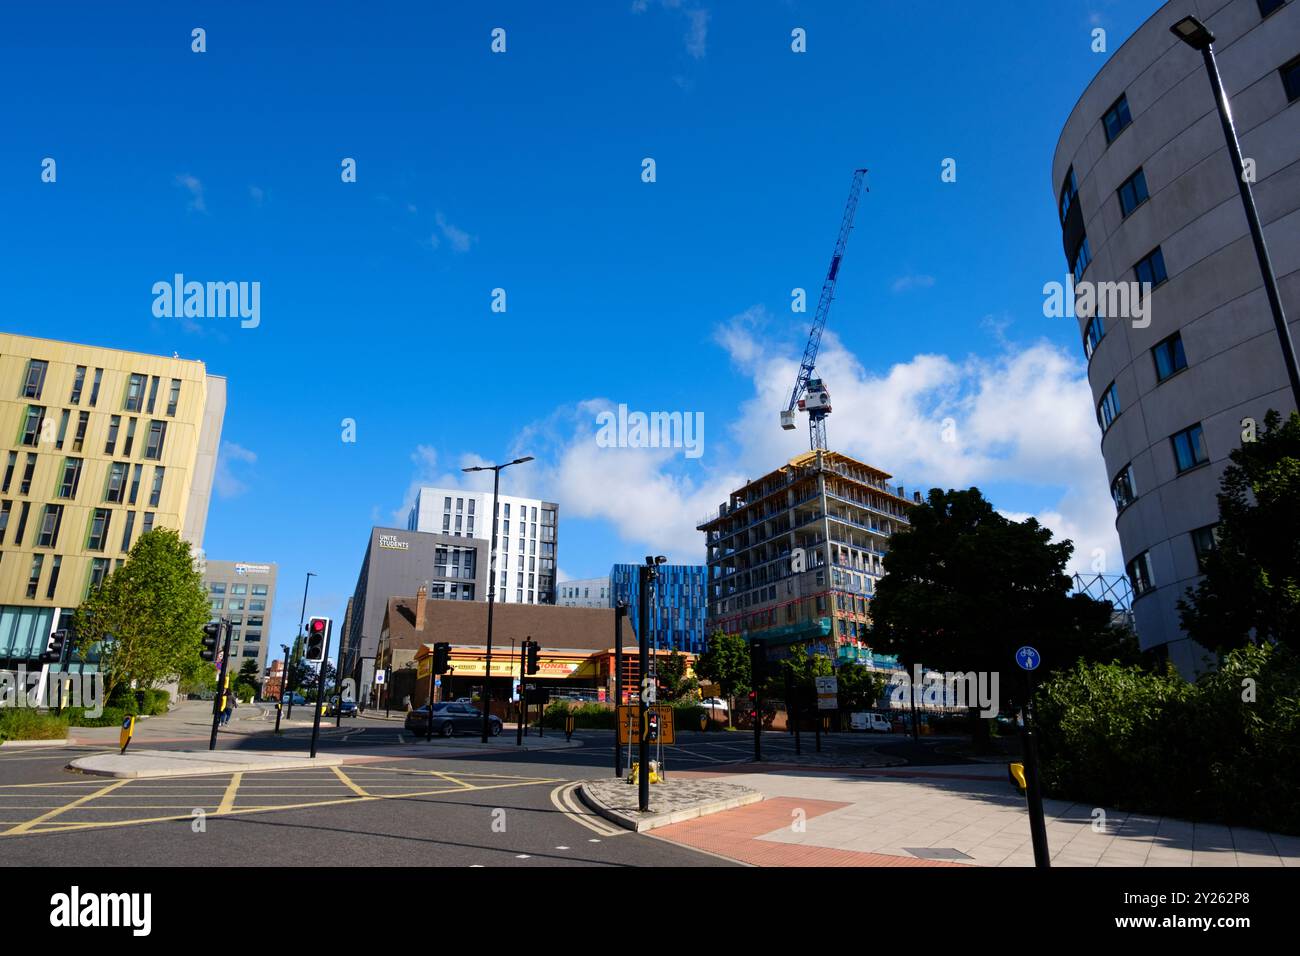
column 230, row 709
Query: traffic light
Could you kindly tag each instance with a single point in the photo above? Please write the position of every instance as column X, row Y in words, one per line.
column 534, row 651
column 441, row 657
column 318, row 632
column 54, row 654
column 211, row 637
column 652, row 725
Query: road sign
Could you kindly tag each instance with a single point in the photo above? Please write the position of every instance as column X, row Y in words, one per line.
column 827, row 692
column 437, row 682
column 631, row 727
column 1028, row 658
column 648, row 690
column 381, row 676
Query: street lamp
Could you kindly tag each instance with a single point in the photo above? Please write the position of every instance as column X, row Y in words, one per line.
column 1198, row 36
column 492, row 582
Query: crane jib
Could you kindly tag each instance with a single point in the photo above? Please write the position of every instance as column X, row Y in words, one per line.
column 835, row 267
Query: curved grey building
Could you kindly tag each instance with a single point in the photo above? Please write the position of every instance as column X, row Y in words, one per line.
column 1146, row 193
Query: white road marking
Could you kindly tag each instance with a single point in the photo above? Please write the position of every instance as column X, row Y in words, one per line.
column 564, row 798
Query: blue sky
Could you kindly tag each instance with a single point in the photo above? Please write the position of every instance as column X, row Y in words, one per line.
column 522, row 171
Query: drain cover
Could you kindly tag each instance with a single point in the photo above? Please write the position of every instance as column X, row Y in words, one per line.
column 937, row 853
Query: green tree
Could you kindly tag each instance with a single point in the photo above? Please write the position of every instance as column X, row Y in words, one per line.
column 148, row 615
column 672, row 677
column 726, row 663
column 860, row 687
column 1251, row 588
column 965, row 586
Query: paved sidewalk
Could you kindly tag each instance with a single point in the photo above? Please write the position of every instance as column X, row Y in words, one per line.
column 965, row 814
column 671, row 801
column 138, row 764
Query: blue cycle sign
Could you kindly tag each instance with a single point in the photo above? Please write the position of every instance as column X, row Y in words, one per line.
column 1028, row 658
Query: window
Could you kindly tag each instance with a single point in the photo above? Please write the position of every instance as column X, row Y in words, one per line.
column 98, row 571
column 1151, row 268
column 126, row 532
column 446, row 522
column 157, row 433
column 1268, row 6
column 1069, row 192
column 174, row 397
column 1116, row 118
column 32, row 425
column 54, row 576
column 5, row 508
column 135, row 483
column 1189, row 448
column 1079, row 262
column 94, row 389
column 99, row 523
column 217, row 588
column 9, row 471
column 252, row 636
column 48, row 534
column 1092, row 335
column 134, row 394
column 1290, row 73
column 63, row 428
column 1203, row 542
column 257, row 605
column 218, row 604
column 35, row 380
column 78, row 383
column 110, row 443
column 153, row 394
column 236, row 604
column 240, row 589
column 71, row 478
column 22, row 524
column 1108, row 407
column 155, row 494
column 116, row 489
column 83, row 419
column 130, row 438
column 25, row 483
column 1169, row 357
column 1139, row 574
column 34, row 579
column 259, row 590
column 1122, row 489
column 1132, row 193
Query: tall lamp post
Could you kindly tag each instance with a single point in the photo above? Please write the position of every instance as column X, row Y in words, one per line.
column 1198, row 36
column 492, row 583
column 302, row 616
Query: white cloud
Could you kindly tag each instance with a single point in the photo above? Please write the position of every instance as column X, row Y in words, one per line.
column 195, row 188
column 460, row 239
column 1019, row 423
column 225, row 481
column 908, row 282
column 697, row 32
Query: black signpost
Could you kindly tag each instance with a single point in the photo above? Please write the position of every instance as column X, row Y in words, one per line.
column 1029, row 659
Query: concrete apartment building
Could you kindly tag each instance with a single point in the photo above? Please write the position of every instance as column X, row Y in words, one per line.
column 103, row 446
column 584, row 592
column 1146, row 191
column 398, row 562
column 527, row 537
column 794, row 556
column 245, row 593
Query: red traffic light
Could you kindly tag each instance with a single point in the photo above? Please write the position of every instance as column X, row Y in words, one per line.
column 317, row 625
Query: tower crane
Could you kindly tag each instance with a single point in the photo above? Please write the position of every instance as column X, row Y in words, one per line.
column 810, row 394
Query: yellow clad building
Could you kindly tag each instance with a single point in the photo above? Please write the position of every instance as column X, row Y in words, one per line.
column 97, row 446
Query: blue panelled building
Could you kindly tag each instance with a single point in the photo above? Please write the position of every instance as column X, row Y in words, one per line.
column 677, row 615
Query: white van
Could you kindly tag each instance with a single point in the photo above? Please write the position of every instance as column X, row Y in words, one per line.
column 879, row 723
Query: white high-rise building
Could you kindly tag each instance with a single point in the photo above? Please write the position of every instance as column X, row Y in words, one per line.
column 527, row 535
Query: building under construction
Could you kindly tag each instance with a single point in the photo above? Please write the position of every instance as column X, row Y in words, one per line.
column 794, row 556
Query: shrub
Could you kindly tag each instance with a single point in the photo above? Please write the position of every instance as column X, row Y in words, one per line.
column 585, row 716
column 151, row 701
column 1226, row 748
column 23, row 723
column 111, row 717
column 123, row 698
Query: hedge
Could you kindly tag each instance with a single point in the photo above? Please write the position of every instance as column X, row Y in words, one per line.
column 23, row 723
column 1225, row 748
column 111, row 717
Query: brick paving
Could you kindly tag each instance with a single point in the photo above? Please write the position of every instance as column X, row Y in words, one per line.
column 736, row 834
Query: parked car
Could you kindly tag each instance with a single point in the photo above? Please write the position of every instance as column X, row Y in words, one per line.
column 713, row 703
column 295, row 698
column 450, row 719
column 349, row 708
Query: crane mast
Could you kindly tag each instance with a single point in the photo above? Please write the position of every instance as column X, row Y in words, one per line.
column 810, row 393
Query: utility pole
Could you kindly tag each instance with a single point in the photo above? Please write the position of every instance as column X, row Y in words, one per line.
column 620, row 612
column 284, row 683
column 647, row 574
column 220, row 698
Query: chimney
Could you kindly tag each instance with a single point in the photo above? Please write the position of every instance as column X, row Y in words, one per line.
column 421, row 602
